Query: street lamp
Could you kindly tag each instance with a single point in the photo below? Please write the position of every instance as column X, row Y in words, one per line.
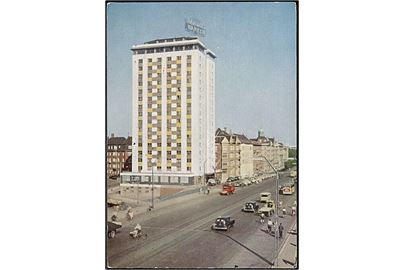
column 152, row 205
column 276, row 213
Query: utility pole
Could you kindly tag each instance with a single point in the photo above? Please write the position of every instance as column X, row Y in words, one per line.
column 152, row 206
column 276, row 217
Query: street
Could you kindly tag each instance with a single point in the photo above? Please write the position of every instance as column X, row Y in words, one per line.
column 179, row 235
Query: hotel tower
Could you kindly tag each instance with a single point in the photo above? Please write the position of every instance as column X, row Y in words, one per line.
column 173, row 117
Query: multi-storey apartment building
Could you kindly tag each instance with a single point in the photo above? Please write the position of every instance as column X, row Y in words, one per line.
column 118, row 151
column 246, row 156
column 274, row 151
column 173, row 111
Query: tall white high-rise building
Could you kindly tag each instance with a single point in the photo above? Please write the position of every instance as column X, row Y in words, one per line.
column 173, row 117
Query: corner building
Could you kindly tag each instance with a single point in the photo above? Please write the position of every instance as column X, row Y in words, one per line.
column 173, row 111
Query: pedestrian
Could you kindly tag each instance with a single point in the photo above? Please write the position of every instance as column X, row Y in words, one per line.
column 280, row 230
column 269, row 225
column 261, row 218
column 293, row 210
column 208, row 191
column 284, row 211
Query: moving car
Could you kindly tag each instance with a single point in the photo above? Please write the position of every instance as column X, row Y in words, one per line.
column 227, row 189
column 265, row 197
column 268, row 209
column 250, row 207
column 112, row 228
column 113, row 202
column 223, row 223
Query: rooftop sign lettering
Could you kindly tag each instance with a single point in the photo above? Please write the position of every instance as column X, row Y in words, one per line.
column 194, row 25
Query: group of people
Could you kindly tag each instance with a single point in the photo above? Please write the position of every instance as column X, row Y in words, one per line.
column 272, row 227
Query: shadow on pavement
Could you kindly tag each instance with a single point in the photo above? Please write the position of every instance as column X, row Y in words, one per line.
column 288, row 262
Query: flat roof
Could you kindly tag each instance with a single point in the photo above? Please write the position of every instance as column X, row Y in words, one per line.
column 169, row 42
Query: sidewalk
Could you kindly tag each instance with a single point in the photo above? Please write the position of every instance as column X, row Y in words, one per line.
column 288, row 253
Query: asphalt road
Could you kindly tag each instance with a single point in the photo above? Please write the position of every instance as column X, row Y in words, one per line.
column 180, row 235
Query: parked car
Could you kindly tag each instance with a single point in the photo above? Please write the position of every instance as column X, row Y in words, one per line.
column 211, row 182
column 245, row 183
column 223, row 223
column 250, row 207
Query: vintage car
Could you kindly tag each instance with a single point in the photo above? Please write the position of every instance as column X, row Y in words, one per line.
column 112, row 228
column 113, row 202
column 265, row 197
column 227, row 189
column 287, row 188
column 211, row 182
column 250, row 207
column 268, row 209
column 223, row 223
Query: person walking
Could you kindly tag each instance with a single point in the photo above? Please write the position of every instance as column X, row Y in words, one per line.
column 293, row 210
column 280, row 230
column 269, row 225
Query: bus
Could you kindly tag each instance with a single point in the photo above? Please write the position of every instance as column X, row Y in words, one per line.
column 287, row 189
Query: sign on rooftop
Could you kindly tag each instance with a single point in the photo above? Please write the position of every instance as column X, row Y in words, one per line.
column 195, row 26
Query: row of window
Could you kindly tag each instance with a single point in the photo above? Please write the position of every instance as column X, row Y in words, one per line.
column 170, row 49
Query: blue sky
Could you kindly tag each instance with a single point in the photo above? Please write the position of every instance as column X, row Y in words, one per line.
column 255, row 44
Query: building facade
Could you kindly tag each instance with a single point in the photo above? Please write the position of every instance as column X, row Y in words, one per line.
column 274, row 151
column 173, row 111
column 246, row 156
column 119, row 149
column 230, row 154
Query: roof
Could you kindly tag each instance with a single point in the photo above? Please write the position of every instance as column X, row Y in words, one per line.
column 174, row 41
column 243, row 139
column 222, row 133
column 116, row 140
column 163, row 40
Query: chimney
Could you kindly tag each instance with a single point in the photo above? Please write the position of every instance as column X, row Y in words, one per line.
column 112, row 135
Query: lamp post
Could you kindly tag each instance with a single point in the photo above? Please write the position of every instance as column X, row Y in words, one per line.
column 152, row 206
column 276, row 213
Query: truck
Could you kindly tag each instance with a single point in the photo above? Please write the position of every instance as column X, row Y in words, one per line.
column 227, row 189
column 268, row 209
column 265, row 197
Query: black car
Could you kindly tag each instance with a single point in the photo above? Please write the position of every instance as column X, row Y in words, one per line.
column 250, row 207
column 223, row 223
